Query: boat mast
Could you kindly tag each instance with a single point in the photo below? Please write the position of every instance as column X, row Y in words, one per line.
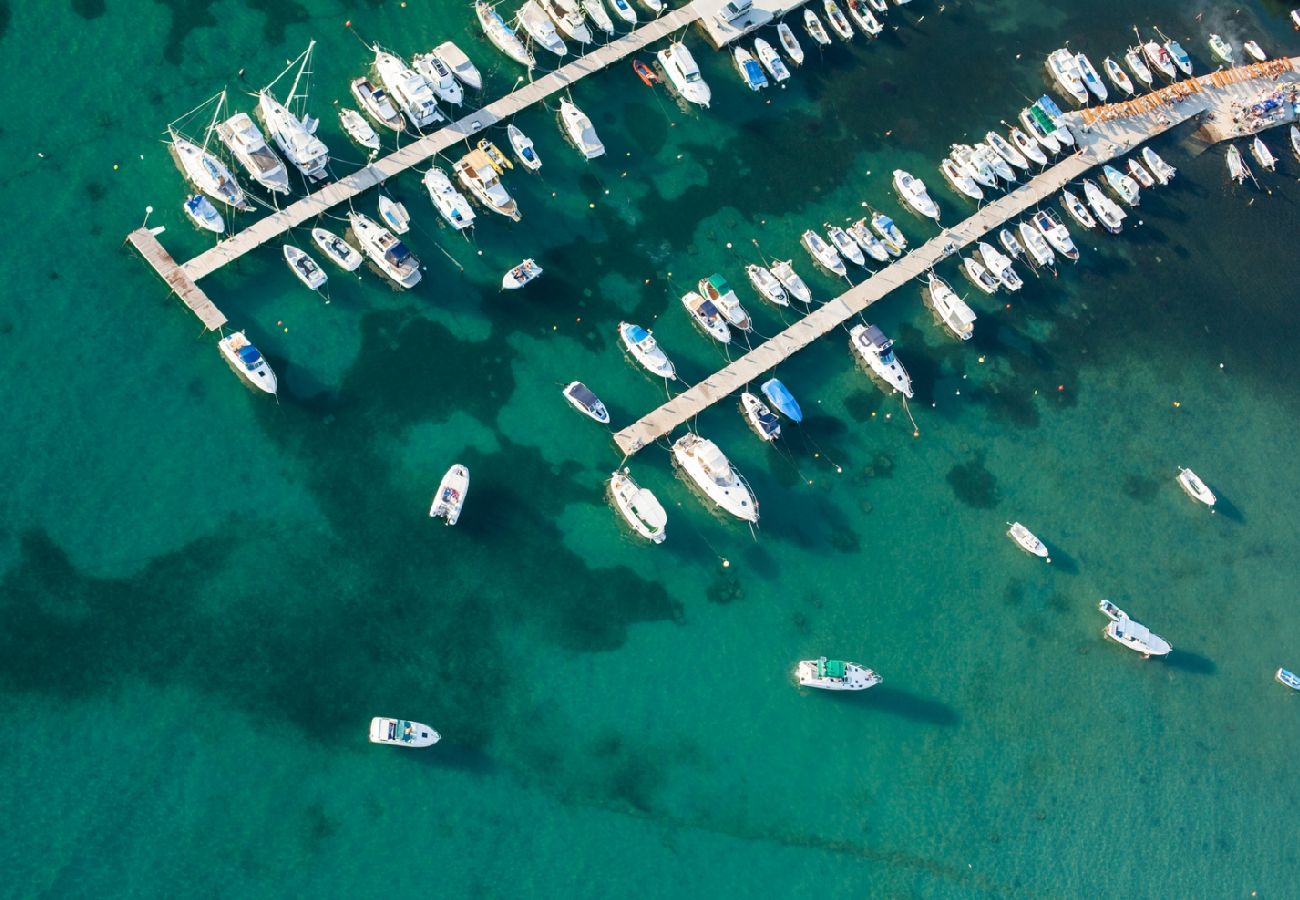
column 306, row 59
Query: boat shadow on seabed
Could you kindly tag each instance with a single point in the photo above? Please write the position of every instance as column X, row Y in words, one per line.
column 904, row 704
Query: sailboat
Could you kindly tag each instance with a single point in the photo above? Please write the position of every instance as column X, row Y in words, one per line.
column 207, row 173
column 294, row 134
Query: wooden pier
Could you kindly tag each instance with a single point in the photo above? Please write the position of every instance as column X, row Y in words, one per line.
column 143, row 240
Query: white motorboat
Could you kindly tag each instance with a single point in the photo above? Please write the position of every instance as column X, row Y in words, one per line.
column 1028, row 147
column 1255, row 51
column 411, row 90
column 1124, row 186
column 207, row 173
column 977, row 168
column 684, row 75
column 950, row 308
column 1004, row 149
column 304, row 268
column 244, row 139
column 449, row 202
column 624, row 11
column 202, row 213
column 771, row 60
column 1262, row 154
column 1108, row 212
column 1063, row 66
column 359, row 129
column 450, row 498
column 751, row 72
column 1009, row 243
column 845, row 245
column 835, row 675
column 1091, row 80
column 1138, row 66
column 1036, row 246
column 1178, row 55
column 889, row 233
column 294, row 134
column 1049, row 224
column 789, row 43
column 477, row 174
column 402, row 733
column 393, row 258
column 520, row 275
column 1163, row 172
column 983, row 153
column 376, row 103
column 1221, row 49
column 1038, row 129
column 584, row 400
column 816, row 30
column 568, row 18
column 979, row 276
column 710, row 470
column 523, row 147
column 1159, row 59
column 707, row 316
column 790, row 280
column 642, row 347
column 440, row 77
column 913, row 193
column 823, row 253
column 716, row 290
column 1048, row 108
column 1140, row 174
column 1197, row 489
column 394, row 214
column 1133, row 635
column 873, row 246
column 595, row 11
column 859, row 13
column 501, row 35
column 456, row 60
column 1118, row 76
column 337, row 250
column 877, row 351
column 1237, row 167
column 839, row 24
column 538, row 26
column 999, row 265
column 248, row 362
column 1075, row 207
column 580, row 131
column 961, row 181
column 760, row 417
column 1027, row 540
column 767, row 284
column 638, row 507
column 1282, row 676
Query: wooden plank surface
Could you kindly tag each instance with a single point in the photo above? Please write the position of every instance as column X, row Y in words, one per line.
column 144, row 241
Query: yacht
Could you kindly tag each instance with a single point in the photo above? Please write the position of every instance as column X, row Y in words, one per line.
column 479, row 176
column 386, row 251
column 760, row 418
column 1118, row 76
column 578, row 127
column 979, row 276
column 248, row 362
column 1160, row 59
column 816, row 30
column 1179, row 56
column 1108, row 212
column 684, row 75
column 1197, row 489
column 771, row 60
column 582, row 399
column 568, row 18
column 359, row 129
column 455, row 59
column 1282, row 676
column 538, row 25
column 1237, row 167
column 823, row 253
column 624, row 11
column 1136, row 65
column 1123, row 185
column 1091, row 80
column 449, row 202
column 873, row 246
column 716, row 290
column 1009, row 243
column 835, row 675
column 1004, row 149
column 707, row 316
column 304, row 268
column 1028, row 147
column 789, row 43
column 1064, row 68
column 860, row 13
column 889, row 233
column 1133, row 635
column 790, row 280
column 845, row 245
column 951, row 309
column 1140, row 174
column 1040, row 126
column 780, row 397
column 912, row 191
column 999, row 266
column 394, row 215
column 1221, row 49
column 1255, row 51
column 409, row 88
column 645, row 350
column 767, row 284
column 1262, row 154
column 520, row 275
column 522, row 144
column 961, row 181
column 203, row 214
column 450, row 498
column 244, row 139
column 710, row 470
column 877, row 351
column 208, row 174
column 1163, row 172
column 749, row 69
column 337, row 250
column 638, row 507
column 377, row 104
column 839, row 24
column 402, row 733
column 1027, row 540
column 294, row 135
column 1036, row 246
column 501, row 35
column 1049, row 224
column 1074, row 206
column 440, row 77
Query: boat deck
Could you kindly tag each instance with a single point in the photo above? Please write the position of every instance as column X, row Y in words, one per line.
column 143, row 240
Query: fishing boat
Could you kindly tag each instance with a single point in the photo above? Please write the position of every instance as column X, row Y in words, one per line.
column 771, row 60
column 707, row 316
column 440, row 77
column 1140, row 174
column 1124, row 186
column 1040, row 127
column 520, row 275
column 1028, row 147
column 684, row 74
column 449, row 202
column 1091, row 80
column 951, row 309
column 501, row 35
column 376, row 103
column 207, row 173
column 568, row 18
column 1195, row 488
column 248, row 362
column 1133, row 635
column 760, row 418
column 1063, row 66
column 1262, row 154
column 1237, row 167
column 1178, row 55
column 1047, row 106
column 294, row 134
column 582, row 399
column 202, row 213
column 1136, row 65
column 624, row 11
column 304, row 268
column 538, row 26
column 1163, row 172
column 823, row 253
column 1005, row 150
column 1049, row 224
column 716, row 290
column 580, row 131
column 402, row 733
column 845, row 245
column 871, row 346
column 835, row 675
column 393, row 258
column 750, row 71
column 1077, row 210
column 394, row 214
column 977, row 168
column 983, row 154
column 1282, row 676
column 456, row 60
column 638, row 507
column 359, row 129
column 642, row 347
column 645, row 73
column 1160, row 59
column 710, row 470
column 913, row 193
column 1118, row 76
column 1009, row 243
column 999, row 266
column 889, row 233
column 979, row 276
column 789, row 43
column 523, row 147
column 1221, row 49
column 411, row 90
column 790, row 280
column 1026, row 540
column 859, row 13
column 476, row 172
column 1255, row 51
column 450, row 498
column 595, row 11
column 1036, row 246
column 244, row 139
column 767, row 284
column 780, row 397
column 816, row 30
column 839, row 24
column 1108, row 212
column 337, row 250
column 1295, row 141
column 873, row 246
column 961, row 181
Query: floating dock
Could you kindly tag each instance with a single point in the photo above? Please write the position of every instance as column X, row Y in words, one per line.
column 143, row 240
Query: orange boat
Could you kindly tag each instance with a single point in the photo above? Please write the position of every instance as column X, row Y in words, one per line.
column 645, row 73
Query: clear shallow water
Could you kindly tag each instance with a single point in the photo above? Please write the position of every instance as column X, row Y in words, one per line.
column 206, row 596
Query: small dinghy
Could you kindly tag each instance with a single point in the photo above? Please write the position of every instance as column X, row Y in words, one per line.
column 202, row 213
column 638, row 507
column 816, row 30
column 495, row 157
column 1136, row 65
column 845, row 245
column 979, row 276
column 790, row 280
column 1237, row 168
column 1010, row 244
column 1118, row 76
column 1221, row 49
column 306, row 269
column 1282, row 676
column 767, row 284
column 645, row 73
column 1163, row 172
column 1027, row 540
column 789, row 43
column 582, row 399
column 1075, row 207
column 1195, row 488
column 523, row 147
column 359, row 129
column 1133, row 635
column 823, row 253
column 624, row 11
column 394, row 214
column 337, row 250
column 835, row 16
column 760, row 418
column 520, row 275
column 707, row 316
column 750, row 71
column 999, row 266
column 1262, row 154
column 1255, row 50
column 873, row 246
column 835, row 675
column 450, row 498
column 889, row 233
column 771, row 61
column 402, row 733
column 642, row 347
column 1140, row 174
column 780, row 397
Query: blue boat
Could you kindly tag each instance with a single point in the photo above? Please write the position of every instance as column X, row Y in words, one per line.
column 749, row 69
column 783, row 400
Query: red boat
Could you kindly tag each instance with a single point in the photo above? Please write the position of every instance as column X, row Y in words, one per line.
column 644, row 72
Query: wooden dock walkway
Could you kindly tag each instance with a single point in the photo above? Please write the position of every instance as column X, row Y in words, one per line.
column 143, row 240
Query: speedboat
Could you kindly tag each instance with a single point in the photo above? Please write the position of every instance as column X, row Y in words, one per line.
column 203, row 214
column 208, row 174
column 789, row 43
column 760, row 418
column 1163, row 172
column 501, row 35
column 1118, row 76
column 359, row 129
column 1009, row 243
column 790, row 280
column 645, row 350
column 1140, row 174
column 999, row 266
column 1255, row 51
column 1108, row 212
column 638, row 507
column 306, row 269
column 767, row 284
column 595, row 11
column 914, row 194
column 624, row 11
column 889, row 233
column 1047, row 105
column 710, row 470
column 440, row 77
column 823, row 253
column 839, row 24
column 582, row 399
column 523, row 147
column 377, row 104
column 750, row 71
column 386, row 251
column 248, row 362
column 961, row 182
column 568, row 18
column 1262, row 154
column 1221, row 49
column 244, row 139
column 1074, row 206
column 408, row 88
column 394, row 214
column 455, row 59
column 450, row 498
column 1064, row 69
column 951, row 309
column 816, row 30
column 449, row 202
column 780, row 397
column 520, row 275
column 1036, row 246
column 1179, row 56
column 579, row 129
column 1006, row 151
column 1282, row 676
column 835, row 675
column 716, row 290
column 979, row 276
column 1051, row 227
column 1123, row 185
column 1197, row 489
column 540, row 28
column 337, row 250
column 476, row 172
column 1160, row 59
column 1091, row 80
column 877, row 351
column 402, row 733
column 873, row 246
column 684, row 75
column 1028, row 147
column 707, row 316
column 859, row 13
column 771, row 60
column 1027, row 540
column 1237, row 167
column 1039, row 126
column 1133, row 635
column 1133, row 56
column 845, row 245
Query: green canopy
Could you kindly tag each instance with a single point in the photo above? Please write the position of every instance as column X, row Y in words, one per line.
column 831, row 668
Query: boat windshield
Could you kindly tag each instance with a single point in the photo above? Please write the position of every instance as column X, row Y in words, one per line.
column 637, row 334
column 249, row 355
column 581, row 393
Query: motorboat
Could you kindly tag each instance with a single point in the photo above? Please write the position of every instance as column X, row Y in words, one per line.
column 450, row 498
column 1133, row 635
column 859, row 13
column 760, row 418
column 1036, row 246
column 982, row 153
column 455, row 59
column 1262, row 154
column 1118, row 76
column 520, row 275
column 402, row 733
column 961, row 181
column 624, row 11
column 789, row 43
column 710, row 470
column 477, row 174
column 1282, row 676
column 1124, row 186
column 979, row 276
column 1221, row 49
column 294, row 134
column 1028, row 541
column 1295, row 19
column 638, row 507
column 823, row 253
column 873, row 246
column 835, row 675
column 707, row 316
column 1049, row 224
column 304, row 268
column 912, row 191
column 999, row 265
column 579, row 129
column 248, row 362
column 1197, row 489
column 750, row 71
column 394, row 214
column 1138, row 66
column 790, row 280
column 1160, row 59
column 582, row 399
column 816, row 30
column 779, row 396
column 684, row 74
column 655, row 6
column 716, row 290
column 376, row 103
column 1063, row 66
column 244, row 139
column 386, row 250
column 411, row 90
column 1077, row 210
column 1091, row 80
column 767, row 284
column 1163, row 172
column 595, row 11
column 568, row 18
column 1040, row 127
column 440, row 77
column 1005, row 150
column 208, row 174
column 1048, row 107
column 1237, row 167
column 845, row 245
column 1028, row 147
column 1009, row 243
column 449, row 202
column 538, row 26
column 839, row 24
column 523, row 147
column 951, row 309
column 202, row 213
column 502, row 36
column 977, row 168
column 337, row 250
column 359, row 129
column 1295, row 141
column 1255, row 51
column 889, row 233
column 1140, row 174
column 771, row 60
column 1179, row 56
column 877, row 351
column 641, row 345
column 1109, row 213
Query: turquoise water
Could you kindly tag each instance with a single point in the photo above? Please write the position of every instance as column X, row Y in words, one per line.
column 206, row 594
